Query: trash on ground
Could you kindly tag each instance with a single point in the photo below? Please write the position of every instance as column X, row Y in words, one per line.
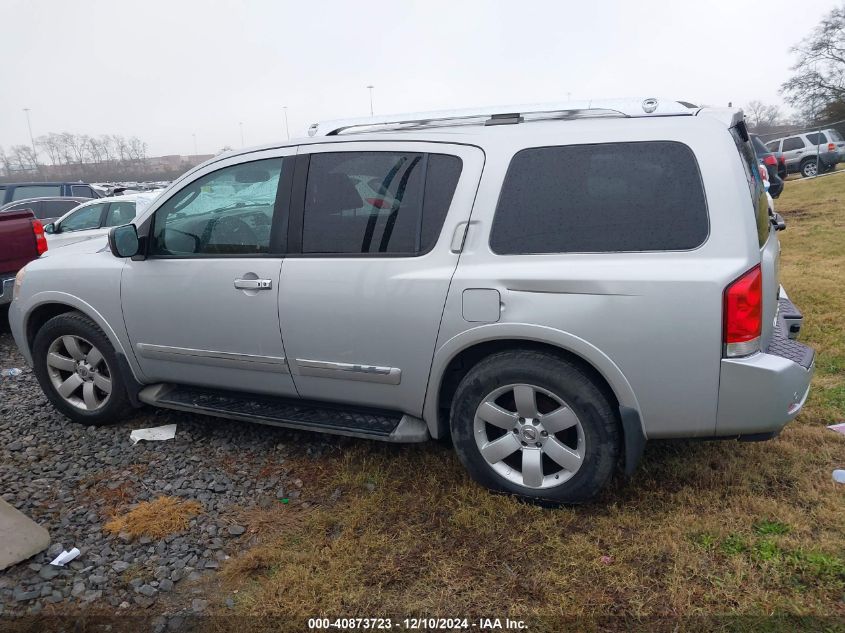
column 65, row 557
column 11, row 373
column 156, row 433
column 839, row 427
column 839, row 476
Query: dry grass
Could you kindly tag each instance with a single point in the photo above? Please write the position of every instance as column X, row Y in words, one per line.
column 156, row 519
column 704, row 528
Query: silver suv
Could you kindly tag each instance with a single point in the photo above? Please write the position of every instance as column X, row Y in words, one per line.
column 550, row 287
column 811, row 153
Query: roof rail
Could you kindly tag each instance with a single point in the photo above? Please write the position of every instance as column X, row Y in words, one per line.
column 500, row 115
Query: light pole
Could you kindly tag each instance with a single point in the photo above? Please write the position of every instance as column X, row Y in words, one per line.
column 195, row 143
column 241, row 124
column 29, row 126
column 370, row 88
column 287, row 129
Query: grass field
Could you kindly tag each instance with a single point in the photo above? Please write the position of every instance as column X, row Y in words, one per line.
column 704, row 528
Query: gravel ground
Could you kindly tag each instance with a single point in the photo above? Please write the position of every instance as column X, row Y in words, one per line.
column 68, row 478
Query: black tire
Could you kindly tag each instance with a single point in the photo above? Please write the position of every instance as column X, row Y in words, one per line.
column 808, row 168
column 116, row 405
column 598, row 419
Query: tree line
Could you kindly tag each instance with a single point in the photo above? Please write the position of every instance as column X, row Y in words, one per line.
column 72, row 156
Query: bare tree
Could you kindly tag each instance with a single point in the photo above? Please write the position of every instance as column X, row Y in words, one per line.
column 51, row 144
column 137, row 149
column 5, row 162
column 761, row 116
column 819, row 77
column 24, row 158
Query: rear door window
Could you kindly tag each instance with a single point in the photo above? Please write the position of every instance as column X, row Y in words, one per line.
column 794, row 142
column 83, row 191
column 377, row 202
column 773, row 146
column 120, row 213
column 609, row 197
column 55, row 208
column 36, row 191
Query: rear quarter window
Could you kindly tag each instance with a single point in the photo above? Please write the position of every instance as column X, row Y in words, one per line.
column 599, row 198
column 759, row 201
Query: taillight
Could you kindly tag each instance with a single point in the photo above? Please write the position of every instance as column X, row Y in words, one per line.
column 764, row 173
column 40, row 238
column 831, row 147
column 782, row 159
column 770, row 159
column 743, row 314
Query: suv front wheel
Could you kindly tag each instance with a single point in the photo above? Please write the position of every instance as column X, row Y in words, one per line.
column 532, row 424
column 77, row 368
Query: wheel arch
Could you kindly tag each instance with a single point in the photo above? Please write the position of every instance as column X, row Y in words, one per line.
column 459, row 354
column 49, row 305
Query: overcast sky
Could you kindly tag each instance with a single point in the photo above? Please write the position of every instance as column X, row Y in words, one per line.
column 165, row 70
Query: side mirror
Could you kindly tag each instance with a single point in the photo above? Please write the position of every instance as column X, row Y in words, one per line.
column 50, row 228
column 123, row 241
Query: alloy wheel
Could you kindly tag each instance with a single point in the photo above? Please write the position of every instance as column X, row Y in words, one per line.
column 79, row 372
column 529, row 436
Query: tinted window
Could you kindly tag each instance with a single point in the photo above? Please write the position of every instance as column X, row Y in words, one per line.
column 84, row 219
column 817, row 138
column 82, row 191
column 32, row 206
column 791, row 143
column 756, row 188
column 226, row 212
column 773, row 146
column 55, row 208
column 120, row 213
column 601, row 198
column 36, row 191
column 377, row 202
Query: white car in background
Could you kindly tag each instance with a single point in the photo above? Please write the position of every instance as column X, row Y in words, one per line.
column 95, row 218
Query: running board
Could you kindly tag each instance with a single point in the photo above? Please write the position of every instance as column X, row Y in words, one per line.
column 306, row 415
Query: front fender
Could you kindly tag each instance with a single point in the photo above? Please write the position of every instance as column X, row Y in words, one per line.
column 446, row 352
column 19, row 316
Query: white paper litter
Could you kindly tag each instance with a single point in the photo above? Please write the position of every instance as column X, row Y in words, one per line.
column 156, row 433
column 65, row 557
column 839, row 428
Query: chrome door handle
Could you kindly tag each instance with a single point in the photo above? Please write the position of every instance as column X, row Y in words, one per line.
column 253, row 284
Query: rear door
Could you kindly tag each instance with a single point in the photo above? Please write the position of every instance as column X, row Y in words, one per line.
column 376, row 229
column 794, row 148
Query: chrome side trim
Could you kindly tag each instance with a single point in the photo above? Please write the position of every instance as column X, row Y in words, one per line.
column 349, row 371
column 213, row 358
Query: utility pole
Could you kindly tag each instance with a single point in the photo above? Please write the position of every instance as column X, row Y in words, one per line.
column 287, row 129
column 370, row 88
column 29, row 126
column 241, row 124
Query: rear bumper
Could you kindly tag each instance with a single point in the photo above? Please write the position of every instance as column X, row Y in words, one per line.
column 761, row 393
column 7, row 286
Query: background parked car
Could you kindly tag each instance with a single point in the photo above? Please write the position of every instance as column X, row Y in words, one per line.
column 95, row 218
column 45, row 209
column 12, row 191
column 801, row 150
column 21, row 241
column 768, row 160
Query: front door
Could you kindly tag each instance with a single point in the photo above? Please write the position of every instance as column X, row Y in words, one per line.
column 202, row 308
column 376, row 231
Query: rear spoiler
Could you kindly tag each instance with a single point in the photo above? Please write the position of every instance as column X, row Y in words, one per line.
column 730, row 117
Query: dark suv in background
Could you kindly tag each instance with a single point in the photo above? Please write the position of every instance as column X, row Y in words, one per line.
column 10, row 192
column 770, row 161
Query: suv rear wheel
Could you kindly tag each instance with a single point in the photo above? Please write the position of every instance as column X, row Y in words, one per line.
column 77, row 368
column 529, row 423
column 809, row 168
